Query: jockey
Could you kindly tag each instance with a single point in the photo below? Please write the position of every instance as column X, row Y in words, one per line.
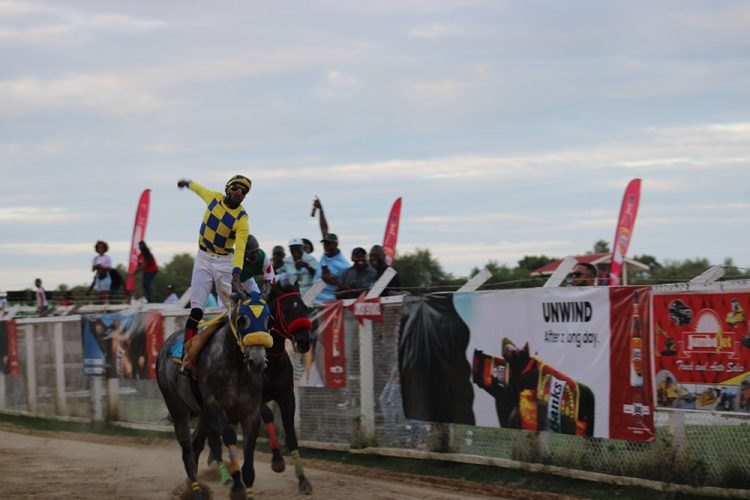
column 256, row 263
column 223, row 232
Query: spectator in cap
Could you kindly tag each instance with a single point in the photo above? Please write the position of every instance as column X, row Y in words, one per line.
column 277, row 259
column 331, row 265
column 307, row 246
column 358, row 278
column 377, row 261
column 171, row 295
column 222, row 238
column 299, row 266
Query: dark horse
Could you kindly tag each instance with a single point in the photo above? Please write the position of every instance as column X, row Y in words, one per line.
column 230, row 384
column 289, row 320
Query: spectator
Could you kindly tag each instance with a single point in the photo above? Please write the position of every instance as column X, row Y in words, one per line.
column 377, row 261
column 277, row 259
column 307, row 246
column 41, row 298
column 256, row 263
column 224, row 224
column 584, row 274
column 171, row 296
column 147, row 264
column 299, row 266
column 3, row 301
column 358, row 278
column 101, row 266
column 68, row 299
column 331, row 265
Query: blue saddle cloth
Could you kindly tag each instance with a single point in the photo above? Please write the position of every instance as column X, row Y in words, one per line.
column 177, row 348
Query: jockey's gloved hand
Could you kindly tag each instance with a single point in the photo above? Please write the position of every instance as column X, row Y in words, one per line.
column 183, row 183
column 237, row 286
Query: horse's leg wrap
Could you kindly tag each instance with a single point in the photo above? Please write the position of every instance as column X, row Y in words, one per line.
column 272, row 440
column 249, row 492
column 297, row 464
column 234, row 459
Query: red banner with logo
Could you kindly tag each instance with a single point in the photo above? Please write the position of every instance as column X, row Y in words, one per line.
column 139, row 233
column 364, row 309
column 702, row 351
column 9, row 363
column 391, row 233
column 332, row 336
column 624, row 231
column 631, row 400
column 154, row 340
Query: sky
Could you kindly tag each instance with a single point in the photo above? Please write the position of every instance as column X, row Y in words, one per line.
column 509, row 128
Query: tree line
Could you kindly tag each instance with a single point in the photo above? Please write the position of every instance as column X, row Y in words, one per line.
column 420, row 272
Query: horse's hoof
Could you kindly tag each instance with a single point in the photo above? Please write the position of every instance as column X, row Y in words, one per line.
column 305, row 487
column 277, row 461
column 239, row 494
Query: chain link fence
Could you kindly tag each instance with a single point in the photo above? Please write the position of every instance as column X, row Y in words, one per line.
column 691, row 447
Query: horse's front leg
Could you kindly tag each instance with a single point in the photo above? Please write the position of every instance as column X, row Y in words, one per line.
column 286, row 405
column 250, row 428
column 219, row 424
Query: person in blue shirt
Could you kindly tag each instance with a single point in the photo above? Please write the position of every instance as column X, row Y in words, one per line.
column 330, row 267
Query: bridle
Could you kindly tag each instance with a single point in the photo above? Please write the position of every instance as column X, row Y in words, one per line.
column 284, row 329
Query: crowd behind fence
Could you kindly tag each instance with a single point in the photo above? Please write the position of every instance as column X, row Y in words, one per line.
column 692, row 447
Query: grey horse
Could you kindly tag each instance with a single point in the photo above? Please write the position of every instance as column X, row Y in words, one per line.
column 228, row 390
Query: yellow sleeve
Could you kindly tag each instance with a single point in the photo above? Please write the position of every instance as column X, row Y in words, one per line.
column 207, row 195
column 241, row 231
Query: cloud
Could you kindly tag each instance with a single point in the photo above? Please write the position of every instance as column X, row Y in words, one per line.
column 36, row 215
column 38, row 24
column 434, row 31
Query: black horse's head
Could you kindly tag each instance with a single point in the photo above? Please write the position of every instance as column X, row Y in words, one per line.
column 248, row 322
column 290, row 315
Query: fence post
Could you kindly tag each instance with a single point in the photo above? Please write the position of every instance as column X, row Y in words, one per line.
column 61, row 405
column 113, row 399
column 3, row 401
column 366, row 379
column 30, row 370
column 96, row 398
column 677, row 430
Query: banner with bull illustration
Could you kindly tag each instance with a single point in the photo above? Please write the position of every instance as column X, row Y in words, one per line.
column 702, row 349
column 566, row 360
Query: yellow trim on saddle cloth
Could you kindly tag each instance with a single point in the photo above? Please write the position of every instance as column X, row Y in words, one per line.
column 258, row 338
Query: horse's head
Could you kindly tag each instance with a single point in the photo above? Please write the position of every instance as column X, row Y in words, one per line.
column 248, row 321
column 290, row 315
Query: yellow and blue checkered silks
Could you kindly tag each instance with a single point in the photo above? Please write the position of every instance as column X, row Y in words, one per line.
column 224, row 230
column 242, row 181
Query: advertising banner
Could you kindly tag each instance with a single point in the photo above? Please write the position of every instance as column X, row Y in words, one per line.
column 139, row 233
column 9, row 363
column 624, row 231
column 154, row 340
column 324, row 365
column 702, row 351
column 391, row 232
column 114, row 345
column 565, row 360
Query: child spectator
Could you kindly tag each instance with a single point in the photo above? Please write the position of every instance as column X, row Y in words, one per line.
column 101, row 266
column 41, row 298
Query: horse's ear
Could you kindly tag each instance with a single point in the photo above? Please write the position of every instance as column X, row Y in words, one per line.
column 526, row 348
column 296, row 286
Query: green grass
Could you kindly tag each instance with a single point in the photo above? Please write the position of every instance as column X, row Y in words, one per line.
column 481, row 474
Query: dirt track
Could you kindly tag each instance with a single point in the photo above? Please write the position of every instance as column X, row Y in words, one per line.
column 75, row 466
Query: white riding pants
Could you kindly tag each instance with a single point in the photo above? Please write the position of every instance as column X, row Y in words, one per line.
column 211, row 269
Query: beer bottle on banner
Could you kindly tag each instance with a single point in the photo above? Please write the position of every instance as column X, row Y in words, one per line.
column 636, row 346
